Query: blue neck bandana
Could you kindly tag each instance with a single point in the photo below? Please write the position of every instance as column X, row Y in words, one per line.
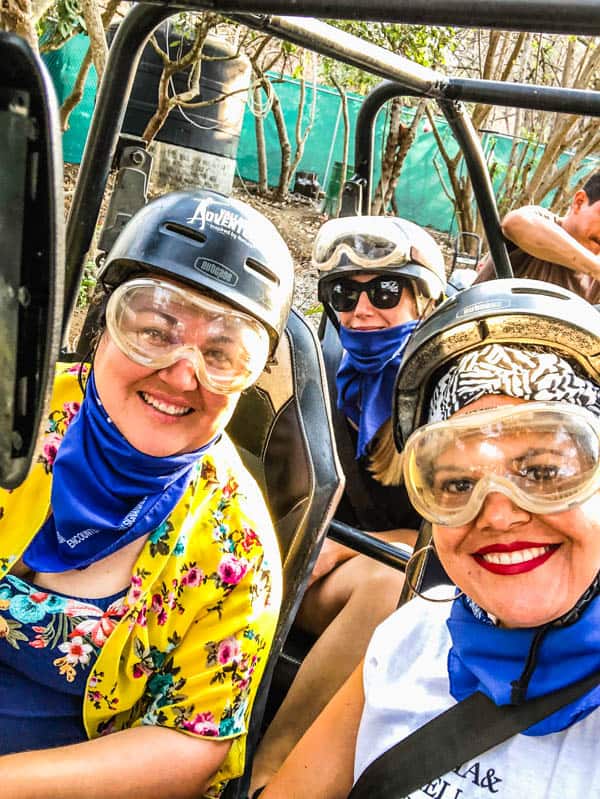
column 105, row 493
column 365, row 378
column 489, row 659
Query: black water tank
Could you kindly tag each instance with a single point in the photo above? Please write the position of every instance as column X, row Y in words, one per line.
column 211, row 129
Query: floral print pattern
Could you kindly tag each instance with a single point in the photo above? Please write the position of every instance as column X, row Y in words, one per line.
column 197, row 621
column 74, row 630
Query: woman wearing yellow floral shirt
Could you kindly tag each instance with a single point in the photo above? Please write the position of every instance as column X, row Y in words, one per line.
column 139, row 571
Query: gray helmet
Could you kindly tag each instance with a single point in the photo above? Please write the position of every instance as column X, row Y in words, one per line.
column 503, row 311
column 382, row 245
column 214, row 243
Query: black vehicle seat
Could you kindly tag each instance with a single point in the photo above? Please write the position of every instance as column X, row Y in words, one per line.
column 282, row 428
column 360, row 500
column 426, row 571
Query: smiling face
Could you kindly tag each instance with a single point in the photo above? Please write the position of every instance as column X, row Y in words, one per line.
column 366, row 316
column 524, row 568
column 160, row 411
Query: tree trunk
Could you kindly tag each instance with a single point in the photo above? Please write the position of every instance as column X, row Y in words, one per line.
column 404, row 145
column 190, row 60
column 95, row 30
column 17, row 16
column 74, row 98
column 301, row 137
column 261, row 147
column 346, row 144
column 395, row 133
column 282, row 189
column 461, row 187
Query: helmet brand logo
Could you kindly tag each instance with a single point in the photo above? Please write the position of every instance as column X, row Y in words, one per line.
column 211, row 214
column 216, row 270
column 483, row 306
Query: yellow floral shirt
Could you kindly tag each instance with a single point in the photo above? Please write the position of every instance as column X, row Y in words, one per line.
column 200, row 613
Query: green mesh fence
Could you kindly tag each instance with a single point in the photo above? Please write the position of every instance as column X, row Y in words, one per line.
column 421, row 195
column 63, row 65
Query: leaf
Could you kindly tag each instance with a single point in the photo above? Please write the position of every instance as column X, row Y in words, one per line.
column 138, row 648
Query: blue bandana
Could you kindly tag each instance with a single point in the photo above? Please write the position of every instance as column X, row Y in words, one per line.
column 488, row 659
column 105, row 493
column 365, row 378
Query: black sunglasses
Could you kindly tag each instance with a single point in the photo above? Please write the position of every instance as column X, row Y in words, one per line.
column 383, row 292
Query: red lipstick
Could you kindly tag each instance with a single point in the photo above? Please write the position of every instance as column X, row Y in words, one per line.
column 499, row 560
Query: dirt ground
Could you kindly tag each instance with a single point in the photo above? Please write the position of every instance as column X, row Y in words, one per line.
column 298, row 220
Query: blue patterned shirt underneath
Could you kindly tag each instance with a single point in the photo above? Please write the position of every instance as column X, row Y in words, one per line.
column 48, row 642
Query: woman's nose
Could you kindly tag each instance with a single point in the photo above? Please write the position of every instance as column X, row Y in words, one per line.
column 180, row 375
column 363, row 304
column 500, row 512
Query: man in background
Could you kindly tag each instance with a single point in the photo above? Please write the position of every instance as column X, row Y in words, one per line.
column 561, row 250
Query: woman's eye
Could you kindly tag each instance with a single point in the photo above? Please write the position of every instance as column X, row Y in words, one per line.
column 218, row 358
column 457, row 485
column 538, row 474
column 155, row 337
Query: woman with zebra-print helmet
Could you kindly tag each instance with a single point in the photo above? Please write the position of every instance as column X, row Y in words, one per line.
column 497, row 413
column 378, row 277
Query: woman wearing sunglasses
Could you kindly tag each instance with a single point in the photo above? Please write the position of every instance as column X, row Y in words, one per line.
column 505, row 380
column 139, row 571
column 378, row 277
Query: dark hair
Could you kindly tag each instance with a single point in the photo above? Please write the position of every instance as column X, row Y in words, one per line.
column 592, row 188
column 97, row 325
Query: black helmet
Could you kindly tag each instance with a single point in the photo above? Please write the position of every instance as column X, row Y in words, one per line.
column 382, row 245
column 503, row 311
column 212, row 242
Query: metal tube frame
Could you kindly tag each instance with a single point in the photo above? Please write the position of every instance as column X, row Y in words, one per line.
column 368, row 545
column 465, row 134
column 111, row 103
column 576, row 16
column 114, row 92
column 542, row 98
column 546, row 16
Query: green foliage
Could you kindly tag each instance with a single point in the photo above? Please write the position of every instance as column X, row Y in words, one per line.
column 62, row 21
column 87, row 285
column 313, row 310
column 426, row 46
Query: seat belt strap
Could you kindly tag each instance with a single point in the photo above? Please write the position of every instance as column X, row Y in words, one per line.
column 454, row 737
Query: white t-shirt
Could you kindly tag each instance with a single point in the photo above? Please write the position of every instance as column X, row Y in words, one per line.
column 406, row 685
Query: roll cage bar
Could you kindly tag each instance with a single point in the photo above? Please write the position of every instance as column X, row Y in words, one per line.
column 402, row 77
column 545, row 16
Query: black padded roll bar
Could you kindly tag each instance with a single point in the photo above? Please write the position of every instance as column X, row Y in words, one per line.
column 553, row 16
column 368, row 545
column 546, row 16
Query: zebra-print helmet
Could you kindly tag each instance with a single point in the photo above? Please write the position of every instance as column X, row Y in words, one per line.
column 516, row 311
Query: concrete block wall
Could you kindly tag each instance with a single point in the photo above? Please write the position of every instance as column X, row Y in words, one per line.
column 177, row 168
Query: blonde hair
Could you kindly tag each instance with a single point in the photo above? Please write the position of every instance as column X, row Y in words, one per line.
column 385, row 462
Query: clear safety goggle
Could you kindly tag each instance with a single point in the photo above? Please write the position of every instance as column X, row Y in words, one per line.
column 370, row 243
column 544, row 456
column 157, row 323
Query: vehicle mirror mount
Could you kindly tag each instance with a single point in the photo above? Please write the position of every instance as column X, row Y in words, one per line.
column 32, row 266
